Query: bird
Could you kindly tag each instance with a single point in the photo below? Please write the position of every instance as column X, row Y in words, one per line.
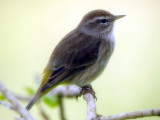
column 82, row 55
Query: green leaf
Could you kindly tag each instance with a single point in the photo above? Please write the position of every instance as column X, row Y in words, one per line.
column 2, row 97
column 51, row 101
column 29, row 90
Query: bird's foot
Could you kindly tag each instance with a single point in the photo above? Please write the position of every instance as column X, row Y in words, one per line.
column 87, row 89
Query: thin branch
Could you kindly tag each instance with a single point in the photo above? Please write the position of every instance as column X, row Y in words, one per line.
column 73, row 91
column 23, row 98
column 43, row 113
column 91, row 106
column 61, row 106
column 92, row 115
column 16, row 105
column 7, row 105
column 132, row 115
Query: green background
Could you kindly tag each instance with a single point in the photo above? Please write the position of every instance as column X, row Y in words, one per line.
column 30, row 29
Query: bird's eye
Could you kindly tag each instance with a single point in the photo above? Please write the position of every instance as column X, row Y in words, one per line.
column 103, row 20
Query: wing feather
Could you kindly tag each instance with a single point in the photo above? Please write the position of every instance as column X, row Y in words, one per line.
column 72, row 55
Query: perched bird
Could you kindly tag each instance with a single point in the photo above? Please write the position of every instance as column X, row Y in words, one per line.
column 81, row 56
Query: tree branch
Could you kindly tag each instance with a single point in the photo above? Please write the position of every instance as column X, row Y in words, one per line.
column 73, row 91
column 7, row 105
column 91, row 106
column 132, row 115
column 42, row 112
column 61, row 106
column 15, row 104
column 70, row 90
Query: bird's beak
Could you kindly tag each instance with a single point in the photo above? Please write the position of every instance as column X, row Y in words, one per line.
column 116, row 17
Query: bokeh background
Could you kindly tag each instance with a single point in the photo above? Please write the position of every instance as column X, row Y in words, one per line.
column 30, row 29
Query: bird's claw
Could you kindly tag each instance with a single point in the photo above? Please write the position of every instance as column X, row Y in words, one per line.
column 87, row 89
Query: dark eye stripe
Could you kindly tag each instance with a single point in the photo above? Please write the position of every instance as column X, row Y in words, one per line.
column 103, row 20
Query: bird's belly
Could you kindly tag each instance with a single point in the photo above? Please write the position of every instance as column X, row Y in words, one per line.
column 89, row 74
column 86, row 76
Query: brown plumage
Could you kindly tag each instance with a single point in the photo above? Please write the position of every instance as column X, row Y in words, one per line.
column 81, row 55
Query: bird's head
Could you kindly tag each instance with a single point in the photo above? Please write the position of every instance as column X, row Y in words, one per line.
column 98, row 21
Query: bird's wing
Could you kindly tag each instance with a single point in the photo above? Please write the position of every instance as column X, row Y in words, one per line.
column 72, row 55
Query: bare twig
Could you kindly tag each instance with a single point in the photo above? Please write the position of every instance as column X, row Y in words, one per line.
column 7, row 105
column 43, row 113
column 61, row 106
column 23, row 98
column 132, row 115
column 16, row 105
column 92, row 115
column 91, row 106
column 73, row 91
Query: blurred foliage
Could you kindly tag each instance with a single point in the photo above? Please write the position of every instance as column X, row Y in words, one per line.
column 51, row 101
column 2, row 97
column 29, row 90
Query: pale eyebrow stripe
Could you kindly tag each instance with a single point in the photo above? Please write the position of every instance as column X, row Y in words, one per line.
column 92, row 20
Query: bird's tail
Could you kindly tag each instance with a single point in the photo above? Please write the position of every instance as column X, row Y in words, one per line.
column 34, row 100
column 40, row 92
